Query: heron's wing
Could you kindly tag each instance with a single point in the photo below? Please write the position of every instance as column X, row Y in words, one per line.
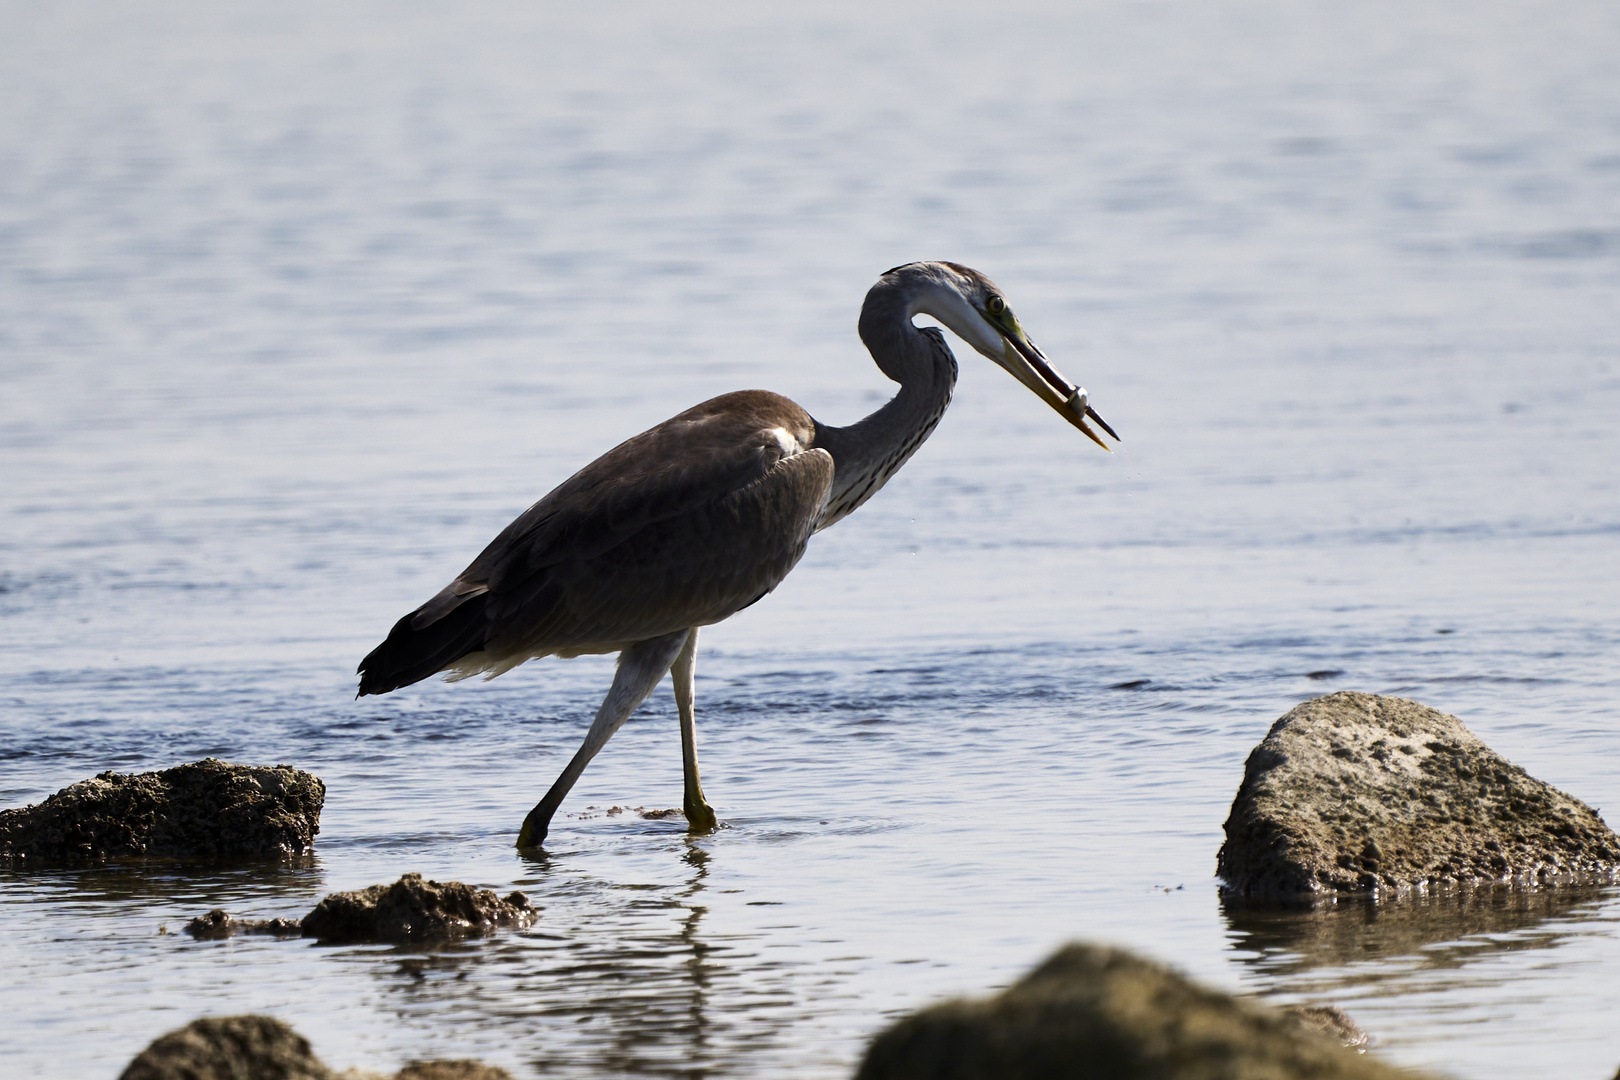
column 692, row 567
column 687, row 461
column 680, row 526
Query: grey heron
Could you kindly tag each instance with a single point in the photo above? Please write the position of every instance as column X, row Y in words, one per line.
column 690, row 522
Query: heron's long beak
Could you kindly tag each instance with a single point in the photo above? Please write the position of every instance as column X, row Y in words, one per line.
column 1030, row 367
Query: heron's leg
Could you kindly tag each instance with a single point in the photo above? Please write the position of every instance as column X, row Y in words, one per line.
column 699, row 814
column 640, row 667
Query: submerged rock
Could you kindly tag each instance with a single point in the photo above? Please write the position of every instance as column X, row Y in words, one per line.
column 1360, row 794
column 1095, row 1013
column 1329, row 1020
column 450, row 1070
column 219, row 924
column 264, row 1048
column 207, row 809
column 414, row 907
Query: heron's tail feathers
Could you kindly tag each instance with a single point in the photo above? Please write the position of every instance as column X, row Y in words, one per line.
column 419, row 646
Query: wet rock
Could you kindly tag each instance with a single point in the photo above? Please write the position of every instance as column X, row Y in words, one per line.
column 264, row 1048
column 207, row 809
column 1329, row 1020
column 413, row 907
column 451, row 1070
column 229, row 1048
column 218, row 924
column 1095, row 1013
column 1359, row 794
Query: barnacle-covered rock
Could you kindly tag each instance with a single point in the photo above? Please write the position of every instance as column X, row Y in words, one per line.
column 414, row 908
column 1359, row 794
column 206, row 809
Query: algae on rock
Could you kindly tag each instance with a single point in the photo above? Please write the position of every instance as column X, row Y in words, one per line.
column 228, row 1048
column 263, row 1048
column 1096, row 1013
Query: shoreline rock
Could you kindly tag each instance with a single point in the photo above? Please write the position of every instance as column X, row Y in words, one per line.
column 1095, row 1013
column 263, row 1048
column 1356, row 794
column 206, row 809
column 411, row 909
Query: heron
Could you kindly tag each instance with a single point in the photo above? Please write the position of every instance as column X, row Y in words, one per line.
column 696, row 519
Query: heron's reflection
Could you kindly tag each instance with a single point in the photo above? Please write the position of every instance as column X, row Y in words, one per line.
column 697, row 965
column 616, row 979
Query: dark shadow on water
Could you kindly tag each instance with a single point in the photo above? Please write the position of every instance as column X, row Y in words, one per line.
column 1359, row 938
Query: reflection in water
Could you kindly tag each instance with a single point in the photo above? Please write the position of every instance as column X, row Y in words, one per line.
column 1363, row 944
column 617, row 980
column 1442, row 983
column 170, row 886
column 1436, row 931
column 696, row 964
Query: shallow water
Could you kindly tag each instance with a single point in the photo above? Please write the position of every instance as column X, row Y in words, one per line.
column 301, row 306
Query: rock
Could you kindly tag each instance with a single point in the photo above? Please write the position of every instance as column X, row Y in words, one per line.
column 218, row 924
column 1329, row 1020
column 451, row 1070
column 207, row 809
column 415, row 908
column 229, row 1048
column 1095, row 1013
column 1359, row 794
column 264, row 1048
column 409, row 909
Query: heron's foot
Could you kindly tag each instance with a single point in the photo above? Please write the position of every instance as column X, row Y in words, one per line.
column 700, row 816
column 535, row 827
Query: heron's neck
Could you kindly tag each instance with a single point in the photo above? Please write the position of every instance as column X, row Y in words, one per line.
column 867, row 453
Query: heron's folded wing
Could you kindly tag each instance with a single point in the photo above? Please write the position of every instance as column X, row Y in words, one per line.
column 690, row 568
column 680, row 526
column 719, row 446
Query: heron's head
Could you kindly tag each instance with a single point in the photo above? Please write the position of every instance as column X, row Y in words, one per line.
column 976, row 311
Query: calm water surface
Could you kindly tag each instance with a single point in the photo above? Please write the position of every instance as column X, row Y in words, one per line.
column 299, row 307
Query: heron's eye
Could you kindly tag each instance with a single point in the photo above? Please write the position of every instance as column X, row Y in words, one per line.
column 996, row 305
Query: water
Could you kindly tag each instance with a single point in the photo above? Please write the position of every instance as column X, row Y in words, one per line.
column 301, row 305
